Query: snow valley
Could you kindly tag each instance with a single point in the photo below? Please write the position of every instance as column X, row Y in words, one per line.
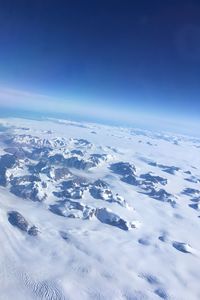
column 89, row 211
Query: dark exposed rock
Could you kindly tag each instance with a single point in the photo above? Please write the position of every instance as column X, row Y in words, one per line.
column 29, row 187
column 193, row 179
column 107, row 217
column 6, row 161
column 100, row 190
column 82, row 142
column 123, row 168
column 77, row 152
column 168, row 169
column 161, row 293
column 97, row 193
column 195, row 206
column 39, row 167
column 127, row 171
column 25, row 179
column 19, row 153
column 100, row 184
column 38, row 153
column 44, row 167
column 148, row 177
column 163, row 196
column 33, row 231
column 66, row 236
column 152, row 163
column 72, row 209
column 191, row 192
column 61, row 173
column 130, row 179
column 80, row 164
column 73, row 188
column 27, row 140
column 3, row 179
column 75, row 182
column 97, row 158
column 183, row 247
column 56, row 159
column 188, row 172
column 171, row 170
column 16, row 219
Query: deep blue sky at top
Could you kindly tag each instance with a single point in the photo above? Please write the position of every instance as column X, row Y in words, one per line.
column 138, row 54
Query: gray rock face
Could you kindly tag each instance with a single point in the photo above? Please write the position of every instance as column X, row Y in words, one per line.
column 72, row 188
column 191, row 192
column 145, row 181
column 17, row 220
column 195, row 206
column 127, row 171
column 163, row 196
column 183, row 247
column 33, row 231
column 72, row 209
column 100, row 184
column 188, row 172
column 29, row 187
column 77, row 152
column 80, row 164
column 27, row 140
column 60, row 173
column 6, row 161
column 168, row 169
column 45, row 167
column 193, row 179
column 40, row 167
column 38, row 153
column 148, row 177
column 100, row 190
column 25, row 179
column 65, row 235
column 18, row 152
column 97, row 158
column 171, row 170
column 76, row 161
column 81, row 142
column 97, row 193
column 56, row 159
column 98, row 187
column 130, row 179
column 123, row 168
column 107, row 217
column 75, row 182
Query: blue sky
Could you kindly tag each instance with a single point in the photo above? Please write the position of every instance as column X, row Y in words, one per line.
column 105, row 60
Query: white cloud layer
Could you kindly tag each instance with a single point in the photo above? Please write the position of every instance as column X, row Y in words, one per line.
column 17, row 99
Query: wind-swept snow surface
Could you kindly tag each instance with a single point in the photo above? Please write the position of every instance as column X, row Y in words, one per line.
column 110, row 215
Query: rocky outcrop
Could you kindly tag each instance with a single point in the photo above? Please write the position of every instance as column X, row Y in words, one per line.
column 7, row 161
column 123, row 168
column 18, row 220
column 29, row 187
column 153, row 179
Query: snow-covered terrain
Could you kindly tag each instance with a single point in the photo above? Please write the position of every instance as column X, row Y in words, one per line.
column 89, row 211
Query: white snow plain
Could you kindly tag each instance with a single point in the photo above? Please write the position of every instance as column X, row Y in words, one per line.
column 153, row 253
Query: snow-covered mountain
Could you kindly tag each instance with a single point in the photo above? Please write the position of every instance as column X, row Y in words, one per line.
column 89, row 211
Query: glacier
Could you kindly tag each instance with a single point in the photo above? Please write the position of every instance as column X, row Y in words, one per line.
column 90, row 211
